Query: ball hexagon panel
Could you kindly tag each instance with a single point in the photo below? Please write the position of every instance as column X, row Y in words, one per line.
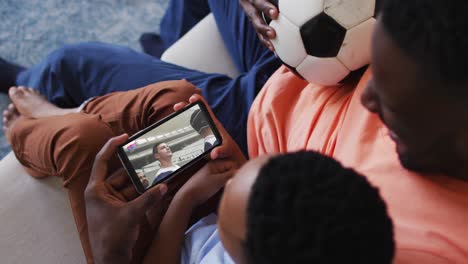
column 350, row 13
column 329, row 71
column 356, row 49
column 322, row 36
column 288, row 42
column 300, row 11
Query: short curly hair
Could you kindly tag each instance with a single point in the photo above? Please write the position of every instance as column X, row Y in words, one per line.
column 306, row 208
column 434, row 33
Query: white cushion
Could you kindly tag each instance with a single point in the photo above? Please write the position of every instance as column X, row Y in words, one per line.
column 37, row 225
column 203, row 49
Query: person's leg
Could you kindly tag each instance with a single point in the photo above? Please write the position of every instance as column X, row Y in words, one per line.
column 75, row 73
column 67, row 148
column 180, row 17
column 237, row 31
column 69, row 143
column 141, row 107
column 241, row 38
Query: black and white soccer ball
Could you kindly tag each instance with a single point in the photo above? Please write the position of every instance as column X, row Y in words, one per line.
column 323, row 41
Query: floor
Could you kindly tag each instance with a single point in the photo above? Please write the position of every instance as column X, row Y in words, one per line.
column 31, row 29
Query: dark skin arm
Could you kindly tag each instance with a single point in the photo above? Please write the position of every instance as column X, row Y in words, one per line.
column 167, row 245
column 113, row 223
column 254, row 9
column 225, row 159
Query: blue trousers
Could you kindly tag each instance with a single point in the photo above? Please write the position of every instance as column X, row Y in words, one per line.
column 74, row 73
column 180, row 17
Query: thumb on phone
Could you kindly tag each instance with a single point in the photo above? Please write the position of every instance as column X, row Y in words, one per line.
column 99, row 171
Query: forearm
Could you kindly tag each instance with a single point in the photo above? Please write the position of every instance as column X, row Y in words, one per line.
column 167, row 244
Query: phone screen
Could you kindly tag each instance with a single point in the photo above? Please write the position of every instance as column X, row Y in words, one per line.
column 163, row 149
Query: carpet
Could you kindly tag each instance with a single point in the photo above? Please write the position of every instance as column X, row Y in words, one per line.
column 31, row 29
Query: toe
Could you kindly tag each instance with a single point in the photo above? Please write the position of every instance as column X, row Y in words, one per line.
column 22, row 90
column 16, row 92
column 34, row 91
column 12, row 91
column 13, row 109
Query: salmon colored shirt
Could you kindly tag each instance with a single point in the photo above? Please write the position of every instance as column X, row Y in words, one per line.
column 430, row 213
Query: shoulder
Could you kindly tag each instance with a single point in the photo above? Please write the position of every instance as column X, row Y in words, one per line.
column 202, row 243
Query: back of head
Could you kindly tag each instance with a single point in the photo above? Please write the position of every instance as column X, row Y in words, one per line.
column 307, row 208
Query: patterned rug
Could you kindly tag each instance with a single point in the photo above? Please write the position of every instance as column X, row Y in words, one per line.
column 31, row 29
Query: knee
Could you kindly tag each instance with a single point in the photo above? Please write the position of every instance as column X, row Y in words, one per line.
column 88, row 133
column 171, row 92
column 70, row 54
column 79, row 141
column 162, row 97
column 180, row 91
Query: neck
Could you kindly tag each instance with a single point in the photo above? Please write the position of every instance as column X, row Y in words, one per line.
column 166, row 163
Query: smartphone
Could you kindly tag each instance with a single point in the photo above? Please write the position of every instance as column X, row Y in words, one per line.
column 168, row 147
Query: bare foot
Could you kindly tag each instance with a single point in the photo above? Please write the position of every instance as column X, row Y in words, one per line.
column 10, row 116
column 30, row 103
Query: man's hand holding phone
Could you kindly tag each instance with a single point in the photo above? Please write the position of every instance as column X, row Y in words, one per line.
column 112, row 222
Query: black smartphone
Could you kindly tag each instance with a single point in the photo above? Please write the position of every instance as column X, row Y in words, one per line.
column 164, row 149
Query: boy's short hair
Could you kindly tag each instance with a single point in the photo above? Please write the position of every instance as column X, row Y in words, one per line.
column 155, row 147
column 306, row 208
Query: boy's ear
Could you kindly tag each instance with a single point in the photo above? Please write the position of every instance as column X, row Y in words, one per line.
column 156, row 156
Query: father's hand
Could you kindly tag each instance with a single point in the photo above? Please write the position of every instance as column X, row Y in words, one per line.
column 254, row 9
column 113, row 223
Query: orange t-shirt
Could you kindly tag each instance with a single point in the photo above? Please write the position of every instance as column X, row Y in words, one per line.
column 430, row 213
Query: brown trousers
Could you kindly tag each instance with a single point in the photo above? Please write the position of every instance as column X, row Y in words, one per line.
column 65, row 146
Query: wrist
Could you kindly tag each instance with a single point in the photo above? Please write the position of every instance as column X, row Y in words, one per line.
column 185, row 199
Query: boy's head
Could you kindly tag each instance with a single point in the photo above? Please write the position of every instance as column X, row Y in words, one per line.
column 303, row 208
column 420, row 86
column 162, row 151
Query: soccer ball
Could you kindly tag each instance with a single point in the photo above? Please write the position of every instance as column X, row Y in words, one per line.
column 323, row 41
